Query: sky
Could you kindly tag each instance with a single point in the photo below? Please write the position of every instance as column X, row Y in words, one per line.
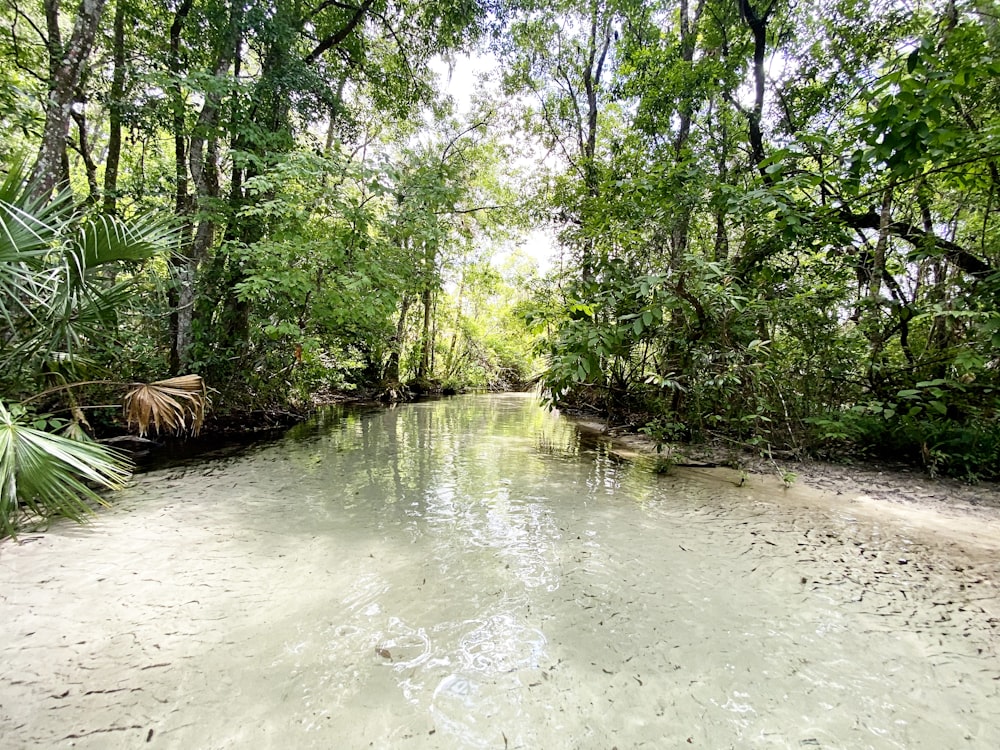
column 462, row 80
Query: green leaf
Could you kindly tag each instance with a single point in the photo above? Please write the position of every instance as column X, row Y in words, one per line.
column 939, row 407
column 49, row 475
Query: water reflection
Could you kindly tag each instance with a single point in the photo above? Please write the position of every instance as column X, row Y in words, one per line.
column 471, row 573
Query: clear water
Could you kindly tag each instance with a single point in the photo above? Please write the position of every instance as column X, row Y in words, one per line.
column 471, row 573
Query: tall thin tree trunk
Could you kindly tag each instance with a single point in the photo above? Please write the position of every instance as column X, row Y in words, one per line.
column 204, row 170
column 878, row 262
column 66, row 66
column 434, row 331
column 688, row 42
column 721, row 232
column 757, row 23
column 115, row 108
column 396, row 351
column 177, row 105
column 427, row 299
column 598, row 45
column 180, row 274
column 83, row 148
column 449, row 362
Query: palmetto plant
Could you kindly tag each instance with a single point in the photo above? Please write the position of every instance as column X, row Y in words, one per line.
column 43, row 474
column 53, row 301
column 54, row 305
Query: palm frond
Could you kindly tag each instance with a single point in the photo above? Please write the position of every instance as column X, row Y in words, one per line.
column 27, row 238
column 107, row 239
column 173, row 405
column 30, row 229
column 76, row 313
column 50, row 298
column 29, row 226
column 45, row 475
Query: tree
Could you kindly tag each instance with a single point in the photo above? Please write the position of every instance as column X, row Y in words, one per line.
column 789, row 194
column 67, row 62
column 561, row 55
column 304, row 54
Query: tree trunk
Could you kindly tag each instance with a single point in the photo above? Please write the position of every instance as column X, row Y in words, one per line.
column 878, row 269
column 201, row 164
column 66, row 66
column 598, row 45
column 83, row 148
column 115, row 108
column 449, row 362
column 757, row 23
column 423, row 368
column 392, row 366
column 180, row 274
column 434, row 330
column 682, row 219
column 203, row 161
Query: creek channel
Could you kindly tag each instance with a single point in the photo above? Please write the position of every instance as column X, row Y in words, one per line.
column 477, row 573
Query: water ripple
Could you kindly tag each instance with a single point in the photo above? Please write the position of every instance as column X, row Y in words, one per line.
column 471, row 573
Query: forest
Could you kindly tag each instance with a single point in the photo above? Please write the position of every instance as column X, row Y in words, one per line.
column 774, row 223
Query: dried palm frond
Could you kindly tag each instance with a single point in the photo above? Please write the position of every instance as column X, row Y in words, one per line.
column 172, row 405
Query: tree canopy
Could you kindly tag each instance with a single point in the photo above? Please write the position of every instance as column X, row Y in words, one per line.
column 784, row 221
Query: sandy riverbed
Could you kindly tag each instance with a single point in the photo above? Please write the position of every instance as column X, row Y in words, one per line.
column 940, row 525
column 314, row 594
column 941, row 511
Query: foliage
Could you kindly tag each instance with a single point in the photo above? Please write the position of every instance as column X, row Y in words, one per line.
column 54, row 300
column 46, row 475
column 803, row 260
column 55, row 309
column 778, row 221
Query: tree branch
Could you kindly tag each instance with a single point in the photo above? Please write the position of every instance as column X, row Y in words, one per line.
column 334, row 39
column 955, row 253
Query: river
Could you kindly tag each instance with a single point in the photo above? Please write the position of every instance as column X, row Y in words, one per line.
column 476, row 573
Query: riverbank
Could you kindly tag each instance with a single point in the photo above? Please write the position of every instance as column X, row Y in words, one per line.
column 231, row 427
column 941, row 510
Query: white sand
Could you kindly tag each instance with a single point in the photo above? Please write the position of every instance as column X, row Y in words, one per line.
column 461, row 575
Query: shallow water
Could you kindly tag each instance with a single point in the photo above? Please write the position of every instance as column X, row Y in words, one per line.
column 472, row 573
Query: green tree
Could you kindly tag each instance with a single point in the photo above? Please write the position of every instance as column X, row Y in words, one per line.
column 795, row 232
